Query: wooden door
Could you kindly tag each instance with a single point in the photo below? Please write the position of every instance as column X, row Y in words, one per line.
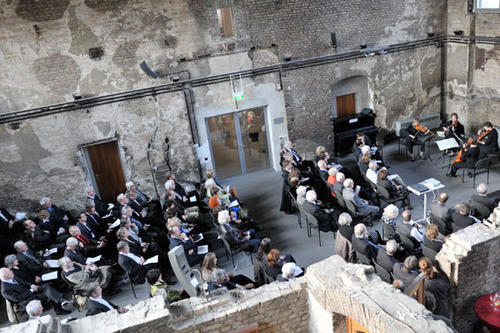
column 354, row 327
column 346, row 105
column 107, row 168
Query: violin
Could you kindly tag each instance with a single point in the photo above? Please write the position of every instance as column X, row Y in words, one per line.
column 423, row 129
column 484, row 134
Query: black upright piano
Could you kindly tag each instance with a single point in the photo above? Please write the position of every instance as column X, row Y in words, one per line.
column 346, row 128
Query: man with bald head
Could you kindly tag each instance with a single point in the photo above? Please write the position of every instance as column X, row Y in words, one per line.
column 440, row 209
column 483, row 198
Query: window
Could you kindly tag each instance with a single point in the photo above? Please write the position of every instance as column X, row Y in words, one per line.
column 488, row 4
column 225, row 21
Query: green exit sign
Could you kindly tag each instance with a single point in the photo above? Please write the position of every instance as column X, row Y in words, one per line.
column 238, row 96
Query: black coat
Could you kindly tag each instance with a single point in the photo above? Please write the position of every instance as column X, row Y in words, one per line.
column 76, row 256
column 326, row 221
column 27, row 264
column 490, row 143
column 100, row 206
column 490, row 203
column 462, row 221
column 362, row 246
column 385, row 260
column 135, row 270
column 389, row 186
column 433, row 244
column 94, row 307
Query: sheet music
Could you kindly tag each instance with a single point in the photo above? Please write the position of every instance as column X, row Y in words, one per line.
column 203, row 249
column 152, row 260
column 115, row 224
column 51, row 251
column 52, row 263
column 447, row 144
column 298, row 271
column 93, row 260
column 49, row 276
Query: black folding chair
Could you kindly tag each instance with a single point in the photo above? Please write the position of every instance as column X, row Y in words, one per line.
column 407, row 243
column 481, row 166
column 353, row 210
column 456, row 227
column 382, row 272
column 232, row 251
column 363, row 259
column 386, row 196
column 444, row 226
column 387, row 231
column 429, row 253
column 340, row 199
column 296, row 209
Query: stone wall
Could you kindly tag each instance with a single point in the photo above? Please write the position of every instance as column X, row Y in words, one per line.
column 471, row 85
column 318, row 302
column 42, row 156
column 470, row 260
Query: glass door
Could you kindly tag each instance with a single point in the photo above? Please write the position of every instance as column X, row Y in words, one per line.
column 238, row 142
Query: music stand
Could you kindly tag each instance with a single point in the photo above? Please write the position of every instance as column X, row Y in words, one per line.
column 446, row 144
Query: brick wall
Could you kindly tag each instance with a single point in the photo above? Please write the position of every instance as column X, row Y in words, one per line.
column 469, row 259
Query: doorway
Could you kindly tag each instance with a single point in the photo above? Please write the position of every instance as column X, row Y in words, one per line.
column 106, row 169
column 346, row 105
column 238, row 142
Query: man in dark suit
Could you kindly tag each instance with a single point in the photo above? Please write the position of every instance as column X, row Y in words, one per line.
column 21, row 293
column 38, row 238
column 58, row 233
column 470, row 156
column 483, row 198
column 385, row 256
column 327, row 219
column 28, row 261
column 460, row 217
column 86, row 230
column 362, row 244
column 97, row 304
column 488, row 143
column 439, row 208
column 57, row 215
column 132, row 264
column 100, row 206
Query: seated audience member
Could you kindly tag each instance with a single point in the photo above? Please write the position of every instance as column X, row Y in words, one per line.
column 85, row 229
column 100, row 206
column 440, row 209
column 409, row 228
column 406, row 271
column 123, row 202
column 390, row 217
column 287, row 272
column 214, row 200
column 38, row 238
column 332, row 176
column 394, row 187
column 190, row 247
column 372, row 172
column 160, row 287
column 273, row 264
column 301, row 194
column 90, row 247
column 483, row 198
column 21, row 293
column 399, row 285
column 82, row 276
column 57, row 215
column 343, row 245
column 57, row 232
column 431, row 238
column 74, row 251
column 385, row 256
column 97, row 304
column 210, row 186
column 210, row 265
column 34, row 309
column 437, row 284
column 362, row 243
column 461, row 218
column 361, row 141
column 364, row 162
column 362, row 206
column 12, row 263
column 326, row 217
column 136, row 247
column 132, row 264
column 338, row 186
column 96, row 221
column 29, row 262
column 219, row 279
column 235, row 237
column 301, row 163
column 323, row 170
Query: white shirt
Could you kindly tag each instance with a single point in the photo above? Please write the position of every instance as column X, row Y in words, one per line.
column 103, row 302
column 372, row 175
column 418, row 234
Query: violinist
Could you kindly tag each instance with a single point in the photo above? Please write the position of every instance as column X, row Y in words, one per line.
column 468, row 157
column 453, row 128
column 488, row 139
column 416, row 136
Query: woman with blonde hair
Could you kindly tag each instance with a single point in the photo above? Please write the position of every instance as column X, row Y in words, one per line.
column 210, row 265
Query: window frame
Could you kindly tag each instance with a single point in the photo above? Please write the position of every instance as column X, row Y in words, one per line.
column 477, row 9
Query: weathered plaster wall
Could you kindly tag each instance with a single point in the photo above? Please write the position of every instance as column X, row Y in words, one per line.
column 41, row 156
column 472, row 86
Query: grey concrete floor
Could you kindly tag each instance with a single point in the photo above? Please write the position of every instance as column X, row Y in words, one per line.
column 261, row 191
